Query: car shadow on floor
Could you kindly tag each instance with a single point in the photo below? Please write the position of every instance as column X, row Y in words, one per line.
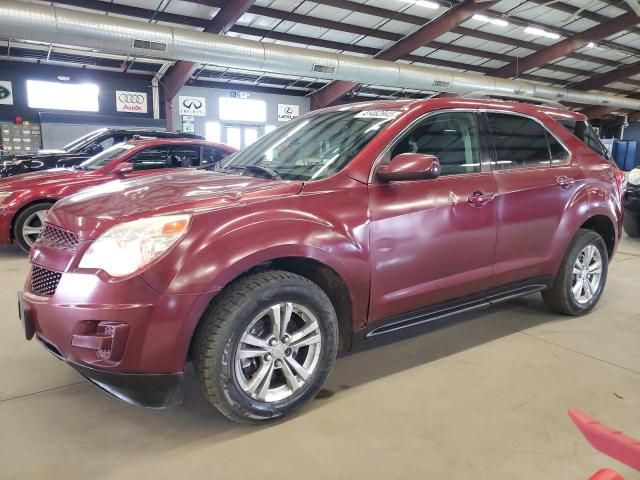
column 12, row 252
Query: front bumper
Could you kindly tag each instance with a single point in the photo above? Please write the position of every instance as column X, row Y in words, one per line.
column 123, row 336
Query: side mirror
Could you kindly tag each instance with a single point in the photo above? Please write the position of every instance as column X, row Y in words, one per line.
column 410, row 166
column 122, row 168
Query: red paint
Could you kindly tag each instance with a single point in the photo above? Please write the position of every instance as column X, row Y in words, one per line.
column 607, row 440
column 52, row 185
column 398, row 246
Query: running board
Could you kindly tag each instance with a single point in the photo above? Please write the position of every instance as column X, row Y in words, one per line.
column 448, row 309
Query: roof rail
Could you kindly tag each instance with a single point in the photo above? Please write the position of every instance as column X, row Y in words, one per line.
column 479, row 94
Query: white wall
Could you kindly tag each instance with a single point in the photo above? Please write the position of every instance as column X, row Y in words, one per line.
column 212, row 96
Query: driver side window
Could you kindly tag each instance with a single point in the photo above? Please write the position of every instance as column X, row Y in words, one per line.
column 151, row 158
column 452, row 137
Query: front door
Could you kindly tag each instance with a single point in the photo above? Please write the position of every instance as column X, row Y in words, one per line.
column 536, row 183
column 433, row 240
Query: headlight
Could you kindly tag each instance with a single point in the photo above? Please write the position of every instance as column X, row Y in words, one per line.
column 634, row 177
column 129, row 247
column 4, row 196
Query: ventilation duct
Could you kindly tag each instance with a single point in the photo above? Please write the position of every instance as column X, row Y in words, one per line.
column 62, row 26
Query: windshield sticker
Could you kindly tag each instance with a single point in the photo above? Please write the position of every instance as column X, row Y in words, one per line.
column 386, row 114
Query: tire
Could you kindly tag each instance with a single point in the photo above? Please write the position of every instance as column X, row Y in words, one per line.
column 560, row 297
column 632, row 225
column 231, row 384
column 30, row 216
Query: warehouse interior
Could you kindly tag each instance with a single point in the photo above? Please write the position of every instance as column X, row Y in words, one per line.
column 480, row 394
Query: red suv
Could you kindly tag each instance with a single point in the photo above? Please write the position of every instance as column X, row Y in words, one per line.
column 342, row 225
column 25, row 199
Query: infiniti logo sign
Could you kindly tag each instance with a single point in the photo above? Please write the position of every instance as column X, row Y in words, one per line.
column 192, row 106
column 192, row 103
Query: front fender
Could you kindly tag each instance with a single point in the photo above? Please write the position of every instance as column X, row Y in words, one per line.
column 330, row 228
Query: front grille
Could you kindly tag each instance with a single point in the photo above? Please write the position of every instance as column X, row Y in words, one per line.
column 43, row 281
column 59, row 238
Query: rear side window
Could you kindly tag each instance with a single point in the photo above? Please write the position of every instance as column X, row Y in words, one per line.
column 587, row 135
column 521, row 142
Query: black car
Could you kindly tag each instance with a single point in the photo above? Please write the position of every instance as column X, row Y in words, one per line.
column 79, row 150
column 631, row 202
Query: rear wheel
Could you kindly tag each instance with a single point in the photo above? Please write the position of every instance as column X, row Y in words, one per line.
column 29, row 223
column 266, row 346
column 580, row 281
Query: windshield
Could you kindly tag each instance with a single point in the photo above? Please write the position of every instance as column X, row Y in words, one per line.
column 79, row 143
column 311, row 147
column 103, row 158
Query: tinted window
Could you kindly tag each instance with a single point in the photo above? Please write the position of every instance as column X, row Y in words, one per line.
column 151, row 158
column 185, row 156
column 519, row 141
column 559, row 155
column 452, row 137
column 586, row 134
column 212, row 155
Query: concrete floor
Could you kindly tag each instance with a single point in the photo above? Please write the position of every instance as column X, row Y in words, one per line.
column 482, row 397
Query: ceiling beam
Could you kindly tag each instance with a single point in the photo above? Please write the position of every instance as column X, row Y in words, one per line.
column 182, row 71
column 143, row 13
column 568, row 45
column 428, row 32
column 599, row 81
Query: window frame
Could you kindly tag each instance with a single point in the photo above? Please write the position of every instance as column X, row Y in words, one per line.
column 492, row 147
column 485, row 157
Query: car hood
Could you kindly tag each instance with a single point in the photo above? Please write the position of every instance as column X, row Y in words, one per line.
column 44, row 180
column 191, row 191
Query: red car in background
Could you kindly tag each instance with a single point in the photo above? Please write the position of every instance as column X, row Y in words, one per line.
column 26, row 199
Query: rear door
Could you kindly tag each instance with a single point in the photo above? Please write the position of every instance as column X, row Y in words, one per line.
column 536, row 181
column 433, row 240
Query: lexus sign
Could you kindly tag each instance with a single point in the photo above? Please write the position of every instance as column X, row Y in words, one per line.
column 192, row 106
column 133, row 102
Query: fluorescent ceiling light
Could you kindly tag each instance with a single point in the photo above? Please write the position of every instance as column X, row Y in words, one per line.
column 495, row 21
column 424, row 3
column 541, row 33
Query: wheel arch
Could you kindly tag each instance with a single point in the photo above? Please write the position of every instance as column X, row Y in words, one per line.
column 314, row 269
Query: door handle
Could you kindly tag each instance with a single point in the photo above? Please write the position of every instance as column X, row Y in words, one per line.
column 564, row 181
column 480, row 199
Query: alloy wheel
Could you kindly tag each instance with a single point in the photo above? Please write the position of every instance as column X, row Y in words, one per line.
column 587, row 274
column 278, row 352
column 33, row 226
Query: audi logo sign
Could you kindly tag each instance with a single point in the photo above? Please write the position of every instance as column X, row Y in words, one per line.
column 192, row 106
column 132, row 102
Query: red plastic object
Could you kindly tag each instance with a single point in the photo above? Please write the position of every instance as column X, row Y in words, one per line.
column 607, row 440
column 606, row 474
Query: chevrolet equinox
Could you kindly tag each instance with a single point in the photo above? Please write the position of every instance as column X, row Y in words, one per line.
column 342, row 225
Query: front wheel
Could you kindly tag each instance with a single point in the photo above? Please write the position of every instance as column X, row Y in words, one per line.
column 29, row 223
column 580, row 281
column 266, row 346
